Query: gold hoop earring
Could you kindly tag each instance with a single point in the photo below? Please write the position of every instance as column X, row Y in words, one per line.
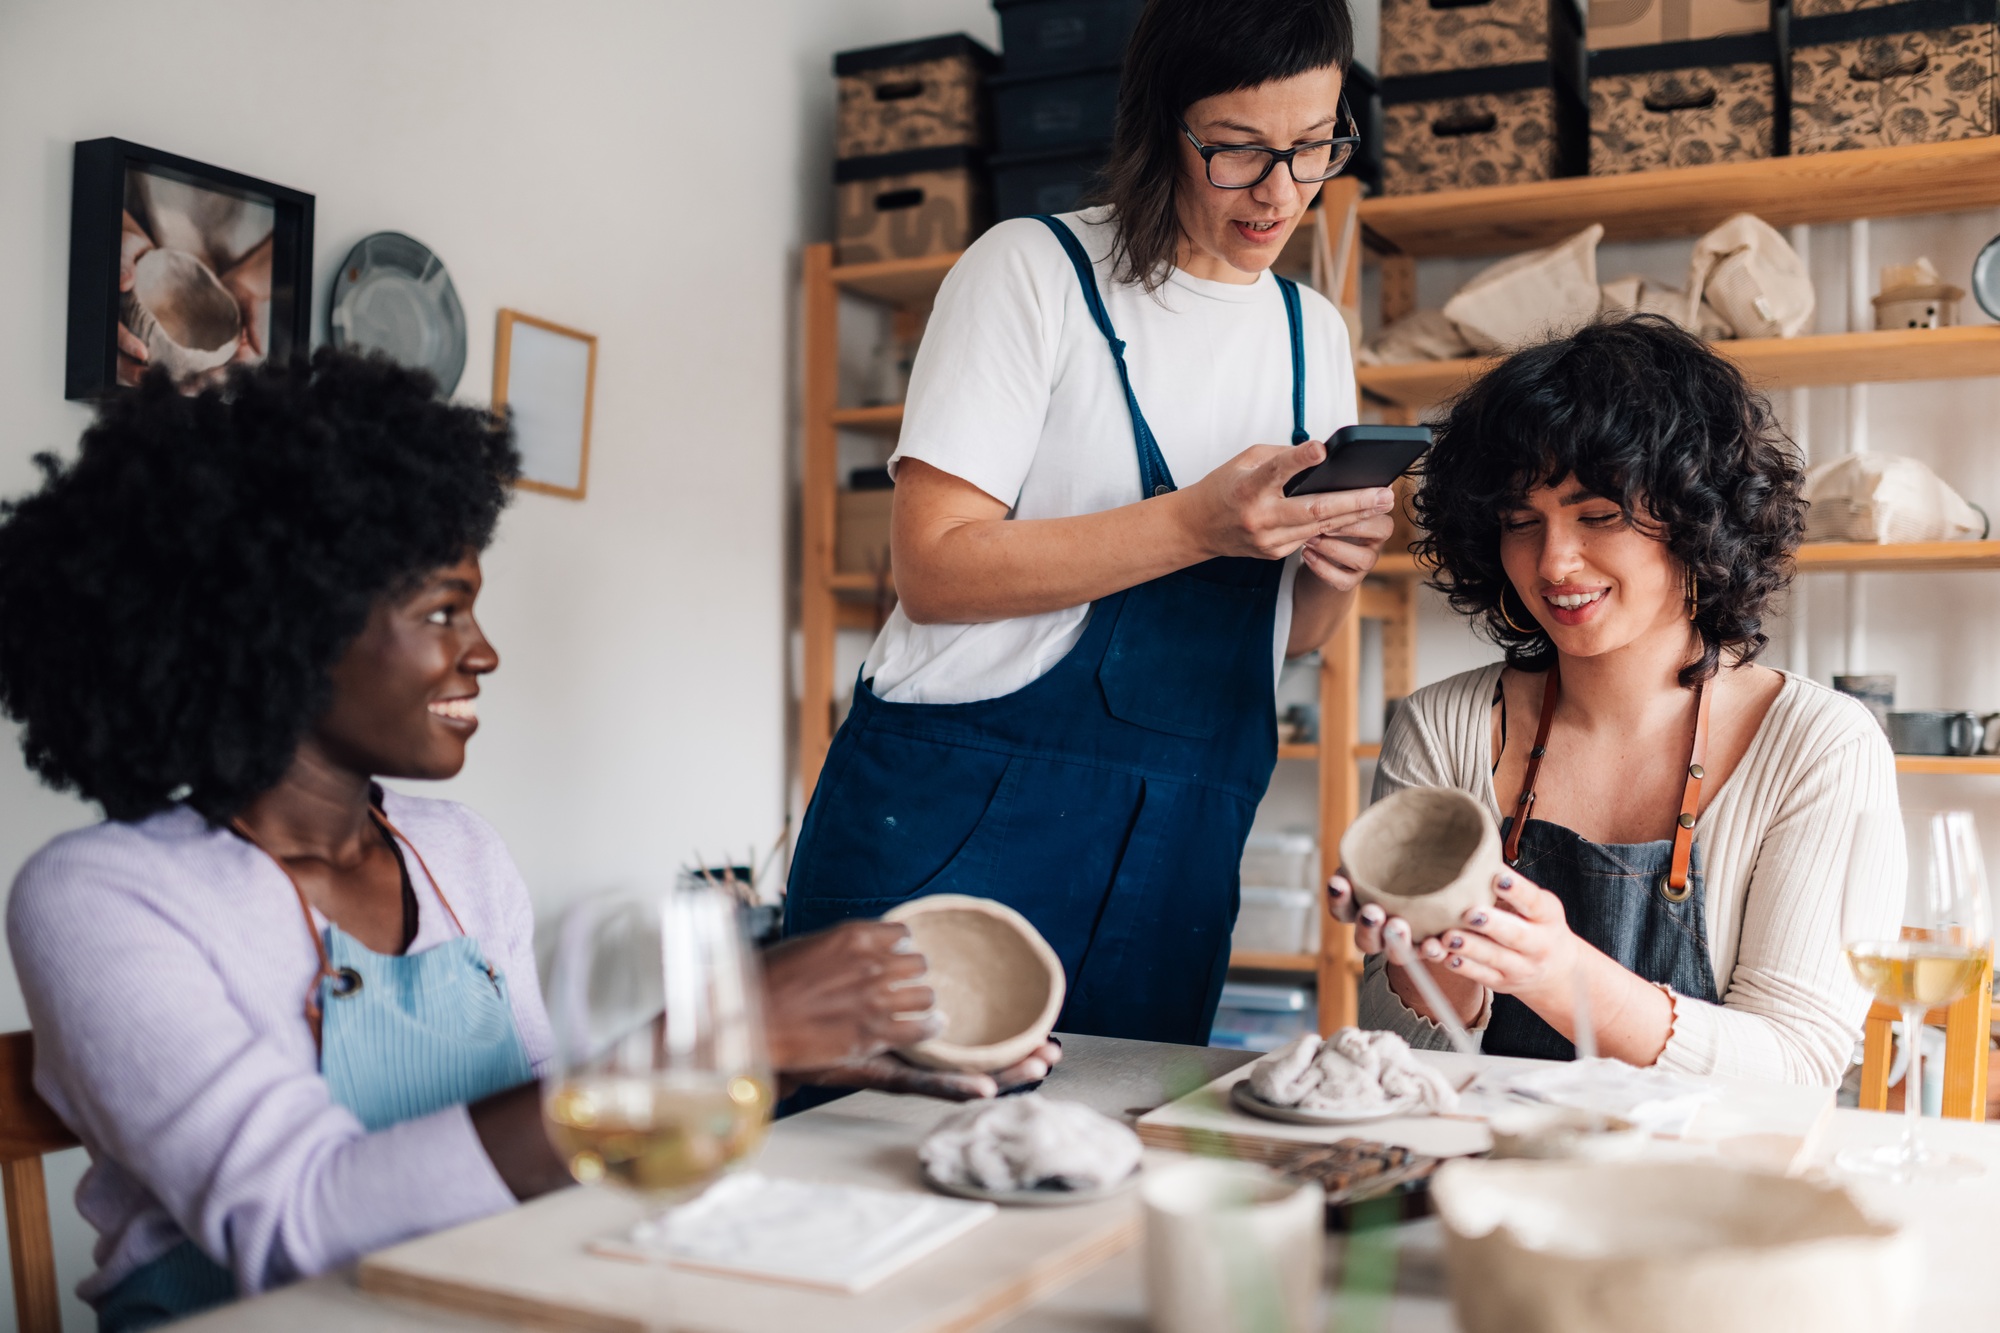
column 1694, row 596
column 1510, row 620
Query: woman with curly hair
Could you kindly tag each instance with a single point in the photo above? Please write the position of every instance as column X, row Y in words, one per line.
column 1617, row 509
column 293, row 1014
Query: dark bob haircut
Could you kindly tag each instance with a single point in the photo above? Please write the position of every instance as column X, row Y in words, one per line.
column 1642, row 413
column 1181, row 52
column 172, row 602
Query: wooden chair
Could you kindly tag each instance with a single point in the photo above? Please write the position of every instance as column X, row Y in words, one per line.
column 1968, row 1032
column 28, row 1129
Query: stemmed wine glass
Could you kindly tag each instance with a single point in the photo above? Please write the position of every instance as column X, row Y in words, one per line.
column 1916, row 927
column 661, row 1079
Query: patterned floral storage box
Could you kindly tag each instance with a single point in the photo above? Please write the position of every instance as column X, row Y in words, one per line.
column 1477, row 128
column 1683, row 104
column 922, row 94
column 1432, row 36
column 908, row 205
column 1893, row 74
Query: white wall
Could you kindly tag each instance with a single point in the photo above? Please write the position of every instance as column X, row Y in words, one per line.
column 640, row 711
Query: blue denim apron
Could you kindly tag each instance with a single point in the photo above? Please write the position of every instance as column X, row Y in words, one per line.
column 1640, row 903
column 1107, row 801
column 400, row 1036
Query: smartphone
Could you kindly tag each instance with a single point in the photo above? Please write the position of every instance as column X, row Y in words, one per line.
column 1360, row 457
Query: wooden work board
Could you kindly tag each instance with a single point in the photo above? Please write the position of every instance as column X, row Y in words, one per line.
column 532, row 1265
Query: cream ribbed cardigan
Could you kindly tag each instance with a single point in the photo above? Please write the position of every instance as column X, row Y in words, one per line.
column 1773, row 844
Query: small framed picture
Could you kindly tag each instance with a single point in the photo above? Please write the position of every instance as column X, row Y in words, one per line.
column 545, row 375
column 176, row 263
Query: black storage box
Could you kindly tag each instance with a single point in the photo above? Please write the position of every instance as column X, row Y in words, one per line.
column 1029, row 183
column 1364, row 102
column 1686, row 104
column 922, row 94
column 1053, row 36
column 1043, row 113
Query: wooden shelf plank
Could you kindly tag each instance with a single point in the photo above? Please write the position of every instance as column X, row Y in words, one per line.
column 901, row 282
column 1816, row 187
column 1274, row 962
column 1298, row 750
column 1368, row 750
column 1951, row 764
column 856, row 585
column 884, row 420
column 1861, row 557
column 1769, row 363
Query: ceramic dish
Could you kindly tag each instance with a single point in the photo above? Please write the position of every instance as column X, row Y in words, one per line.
column 1044, row 1197
column 1243, row 1099
column 394, row 296
column 999, row 985
column 1426, row 854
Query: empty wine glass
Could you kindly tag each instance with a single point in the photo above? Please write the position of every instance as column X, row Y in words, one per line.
column 1916, row 928
column 661, row 1079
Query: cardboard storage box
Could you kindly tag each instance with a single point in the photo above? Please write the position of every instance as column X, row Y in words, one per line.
column 1433, row 36
column 924, row 94
column 907, row 205
column 1893, row 74
column 1056, row 182
column 1616, row 23
column 1683, row 104
column 861, row 531
column 1042, row 113
column 1480, row 127
column 1050, row 36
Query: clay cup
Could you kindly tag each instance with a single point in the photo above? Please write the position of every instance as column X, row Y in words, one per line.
column 1426, row 854
column 999, row 985
column 182, row 312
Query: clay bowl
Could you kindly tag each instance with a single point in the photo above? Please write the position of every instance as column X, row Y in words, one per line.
column 182, row 312
column 1426, row 854
column 1570, row 1247
column 999, row 985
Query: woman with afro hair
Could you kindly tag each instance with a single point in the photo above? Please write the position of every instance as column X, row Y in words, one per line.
column 291, row 1013
column 1617, row 509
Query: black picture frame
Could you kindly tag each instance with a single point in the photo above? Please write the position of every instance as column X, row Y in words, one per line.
column 97, row 210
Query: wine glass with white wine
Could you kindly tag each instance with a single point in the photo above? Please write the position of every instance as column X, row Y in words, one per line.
column 1916, row 925
column 661, row 1080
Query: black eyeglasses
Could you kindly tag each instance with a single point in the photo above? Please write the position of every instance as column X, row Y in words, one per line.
column 1240, row 166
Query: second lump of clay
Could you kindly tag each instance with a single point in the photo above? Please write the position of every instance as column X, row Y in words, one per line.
column 1353, row 1071
column 1030, row 1142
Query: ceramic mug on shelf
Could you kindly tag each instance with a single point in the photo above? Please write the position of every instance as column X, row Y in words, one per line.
column 1876, row 693
column 1936, row 731
column 1232, row 1247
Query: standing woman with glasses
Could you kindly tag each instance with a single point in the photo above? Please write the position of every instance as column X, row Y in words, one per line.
column 1071, row 709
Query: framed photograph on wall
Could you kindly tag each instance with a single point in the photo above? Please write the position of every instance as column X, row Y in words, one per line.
column 173, row 262
column 545, row 375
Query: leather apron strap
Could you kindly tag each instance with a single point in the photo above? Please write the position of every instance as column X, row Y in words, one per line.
column 1676, row 887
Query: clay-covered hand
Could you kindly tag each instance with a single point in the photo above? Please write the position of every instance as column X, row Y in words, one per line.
column 1241, row 509
column 844, row 995
column 888, row 1073
column 1374, row 930
column 1521, row 946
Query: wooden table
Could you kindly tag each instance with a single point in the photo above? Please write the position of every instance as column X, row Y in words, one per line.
column 1958, row 1225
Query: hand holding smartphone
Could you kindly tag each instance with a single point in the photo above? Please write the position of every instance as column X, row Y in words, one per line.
column 1360, row 457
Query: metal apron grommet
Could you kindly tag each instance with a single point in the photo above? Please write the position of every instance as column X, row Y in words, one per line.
column 346, row 982
column 1672, row 894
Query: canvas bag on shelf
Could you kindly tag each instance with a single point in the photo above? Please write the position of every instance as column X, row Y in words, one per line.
column 1541, row 294
column 1425, row 335
column 1633, row 295
column 1875, row 497
column 1753, row 278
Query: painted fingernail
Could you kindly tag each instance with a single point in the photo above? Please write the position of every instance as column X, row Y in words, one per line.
column 1458, row 941
column 1371, row 915
column 1456, row 960
column 1336, row 888
column 1476, row 920
column 1504, row 883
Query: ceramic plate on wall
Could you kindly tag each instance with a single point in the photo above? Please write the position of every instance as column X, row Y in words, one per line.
column 1986, row 278
column 393, row 296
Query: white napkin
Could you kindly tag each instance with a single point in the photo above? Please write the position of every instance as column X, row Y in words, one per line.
column 843, row 1237
column 1352, row 1071
column 1652, row 1099
column 1027, row 1142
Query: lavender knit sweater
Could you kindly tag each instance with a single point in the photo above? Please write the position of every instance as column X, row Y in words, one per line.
column 166, row 965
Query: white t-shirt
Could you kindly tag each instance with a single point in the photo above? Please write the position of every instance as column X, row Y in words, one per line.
column 1015, row 391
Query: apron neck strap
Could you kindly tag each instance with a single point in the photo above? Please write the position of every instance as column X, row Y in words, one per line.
column 1677, row 875
column 1295, row 320
column 327, row 972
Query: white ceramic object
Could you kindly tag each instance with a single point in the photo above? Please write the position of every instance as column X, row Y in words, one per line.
column 1426, row 854
column 1232, row 1247
column 1563, row 1133
column 999, row 985
column 1598, row 1247
column 182, row 312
